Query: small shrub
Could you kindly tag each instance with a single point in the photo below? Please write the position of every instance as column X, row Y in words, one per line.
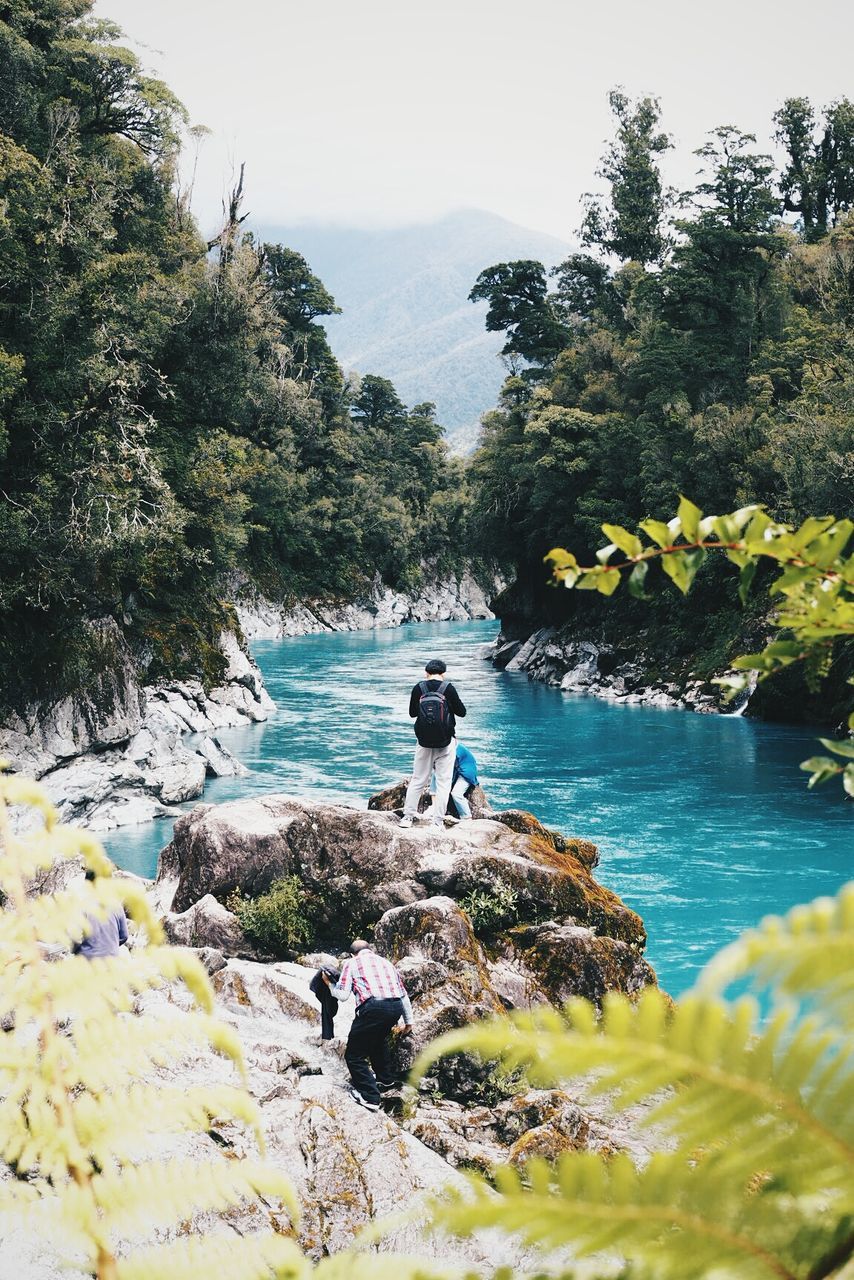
column 491, row 909
column 279, row 920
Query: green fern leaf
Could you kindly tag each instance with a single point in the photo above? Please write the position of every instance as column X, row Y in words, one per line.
column 248, row 1258
column 807, row 954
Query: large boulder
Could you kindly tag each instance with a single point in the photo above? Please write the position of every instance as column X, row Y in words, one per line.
column 564, row 960
column 207, row 923
column 355, row 866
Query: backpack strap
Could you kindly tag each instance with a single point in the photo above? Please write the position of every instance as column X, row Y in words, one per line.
column 442, row 687
column 422, row 685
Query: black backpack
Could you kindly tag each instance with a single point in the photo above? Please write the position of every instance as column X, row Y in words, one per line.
column 434, row 726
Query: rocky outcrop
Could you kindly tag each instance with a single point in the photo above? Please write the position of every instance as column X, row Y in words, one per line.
column 356, row 866
column 420, row 893
column 118, row 754
column 348, row 1167
column 555, row 656
column 439, row 599
column 207, row 923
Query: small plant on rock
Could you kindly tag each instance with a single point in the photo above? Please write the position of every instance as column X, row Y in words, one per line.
column 277, row 921
column 492, row 909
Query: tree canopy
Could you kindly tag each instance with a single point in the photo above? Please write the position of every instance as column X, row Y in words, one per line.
column 170, row 411
column 721, row 366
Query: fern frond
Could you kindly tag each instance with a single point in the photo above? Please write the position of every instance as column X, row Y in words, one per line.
column 154, row 1194
column 782, row 1095
column 120, row 1125
column 807, row 955
column 592, row 1206
column 81, row 1103
column 387, row 1266
column 219, row 1257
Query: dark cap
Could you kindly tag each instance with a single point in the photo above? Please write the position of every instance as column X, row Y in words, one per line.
column 435, row 667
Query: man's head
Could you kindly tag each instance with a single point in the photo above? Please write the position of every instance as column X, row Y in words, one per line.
column 359, row 944
column 435, row 667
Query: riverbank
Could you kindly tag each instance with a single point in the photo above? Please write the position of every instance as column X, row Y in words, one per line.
column 460, row 598
column 555, row 656
column 124, row 751
column 703, row 822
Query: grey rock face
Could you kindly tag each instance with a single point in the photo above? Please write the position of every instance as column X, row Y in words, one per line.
column 439, row 600
column 207, row 923
column 117, row 755
column 554, row 656
column 357, row 865
column 565, row 935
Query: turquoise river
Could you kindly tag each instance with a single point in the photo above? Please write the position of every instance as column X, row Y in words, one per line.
column 704, row 822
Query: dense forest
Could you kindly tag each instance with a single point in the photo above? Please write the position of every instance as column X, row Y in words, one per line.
column 171, row 414
column 703, row 345
column 170, row 410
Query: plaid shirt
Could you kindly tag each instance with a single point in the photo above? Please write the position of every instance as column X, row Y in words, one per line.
column 367, row 975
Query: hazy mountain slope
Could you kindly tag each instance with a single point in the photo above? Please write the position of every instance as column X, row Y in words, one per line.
column 405, row 310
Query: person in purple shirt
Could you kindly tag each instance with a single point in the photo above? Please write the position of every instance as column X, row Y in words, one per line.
column 105, row 936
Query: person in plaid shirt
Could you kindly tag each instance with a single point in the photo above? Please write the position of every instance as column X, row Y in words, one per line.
column 381, row 1001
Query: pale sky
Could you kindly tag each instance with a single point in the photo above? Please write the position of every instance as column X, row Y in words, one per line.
column 381, row 112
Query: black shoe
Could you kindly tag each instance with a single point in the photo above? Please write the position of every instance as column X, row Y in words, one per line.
column 386, row 1086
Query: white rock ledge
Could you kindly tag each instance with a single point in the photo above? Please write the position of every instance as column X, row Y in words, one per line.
column 118, row 756
column 459, row 599
column 553, row 657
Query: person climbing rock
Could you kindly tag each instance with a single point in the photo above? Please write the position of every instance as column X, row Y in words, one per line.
column 319, row 987
column 465, row 777
column 381, row 1001
column 105, row 936
column 434, row 704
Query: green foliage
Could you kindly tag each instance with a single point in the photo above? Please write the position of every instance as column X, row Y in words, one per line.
column 727, row 373
column 81, row 1094
column 167, row 416
column 813, row 593
column 518, row 303
column 753, row 1120
column 277, row 921
column 818, row 180
column 630, row 223
column 491, row 909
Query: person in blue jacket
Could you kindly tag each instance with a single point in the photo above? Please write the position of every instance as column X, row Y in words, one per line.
column 465, row 776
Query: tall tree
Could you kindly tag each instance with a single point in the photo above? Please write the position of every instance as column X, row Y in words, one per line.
column 630, row 222
column 519, row 304
column 818, row 180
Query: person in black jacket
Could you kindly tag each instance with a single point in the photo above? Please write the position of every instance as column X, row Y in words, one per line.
column 434, row 703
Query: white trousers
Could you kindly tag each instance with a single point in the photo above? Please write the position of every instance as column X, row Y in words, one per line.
column 429, row 760
column 458, row 794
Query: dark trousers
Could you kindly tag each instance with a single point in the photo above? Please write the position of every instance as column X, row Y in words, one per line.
column 368, row 1043
column 328, row 1006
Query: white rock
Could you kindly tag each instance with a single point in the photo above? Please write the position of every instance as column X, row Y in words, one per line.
column 181, row 779
column 220, row 762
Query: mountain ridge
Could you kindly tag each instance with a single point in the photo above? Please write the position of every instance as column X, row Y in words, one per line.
column 405, row 310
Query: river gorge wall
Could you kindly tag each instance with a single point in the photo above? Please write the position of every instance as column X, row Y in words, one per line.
column 556, row 656
column 125, row 750
column 459, row 598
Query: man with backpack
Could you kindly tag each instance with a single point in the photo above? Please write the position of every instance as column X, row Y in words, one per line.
column 434, row 703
